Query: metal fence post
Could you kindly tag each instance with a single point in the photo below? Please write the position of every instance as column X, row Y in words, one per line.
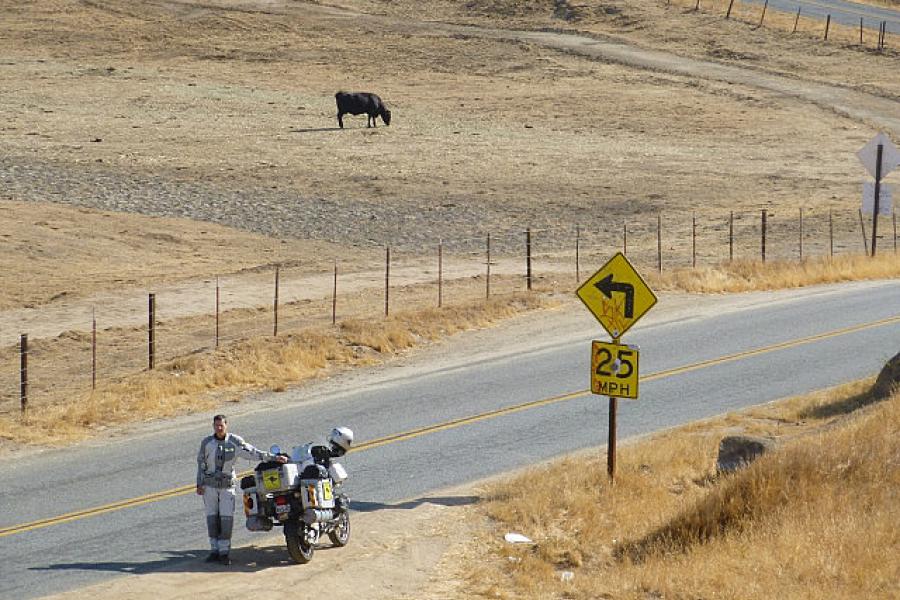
column 875, row 210
column 796, row 20
column 801, row 234
column 827, row 25
column 625, row 237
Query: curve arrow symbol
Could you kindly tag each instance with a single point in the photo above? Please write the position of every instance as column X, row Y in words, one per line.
column 607, row 286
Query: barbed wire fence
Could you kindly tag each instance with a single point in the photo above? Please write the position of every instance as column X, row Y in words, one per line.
column 41, row 370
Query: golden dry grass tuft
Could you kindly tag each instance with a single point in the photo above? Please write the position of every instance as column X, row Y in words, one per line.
column 200, row 382
column 816, row 518
column 745, row 276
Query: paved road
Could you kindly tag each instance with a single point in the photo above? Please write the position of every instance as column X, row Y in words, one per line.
column 845, row 13
column 474, row 378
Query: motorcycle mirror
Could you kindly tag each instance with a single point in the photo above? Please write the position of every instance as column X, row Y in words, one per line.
column 275, row 449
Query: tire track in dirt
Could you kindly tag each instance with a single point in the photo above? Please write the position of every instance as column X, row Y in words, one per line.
column 876, row 111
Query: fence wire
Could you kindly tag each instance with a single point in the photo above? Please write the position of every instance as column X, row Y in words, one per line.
column 68, row 364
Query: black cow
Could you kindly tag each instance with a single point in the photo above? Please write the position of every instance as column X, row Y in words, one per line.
column 357, row 103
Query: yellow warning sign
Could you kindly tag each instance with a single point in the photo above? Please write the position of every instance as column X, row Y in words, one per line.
column 616, row 295
column 614, row 370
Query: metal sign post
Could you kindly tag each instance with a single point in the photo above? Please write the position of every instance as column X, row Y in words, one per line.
column 879, row 156
column 617, row 297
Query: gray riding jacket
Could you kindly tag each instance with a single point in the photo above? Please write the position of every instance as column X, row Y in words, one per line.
column 215, row 461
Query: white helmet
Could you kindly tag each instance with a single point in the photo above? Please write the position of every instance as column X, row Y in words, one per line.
column 342, row 437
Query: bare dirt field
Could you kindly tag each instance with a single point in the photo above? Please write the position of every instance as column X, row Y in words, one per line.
column 225, row 112
column 506, row 116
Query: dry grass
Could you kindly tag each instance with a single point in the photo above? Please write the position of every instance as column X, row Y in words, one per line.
column 752, row 14
column 817, row 518
column 199, row 382
column 744, row 276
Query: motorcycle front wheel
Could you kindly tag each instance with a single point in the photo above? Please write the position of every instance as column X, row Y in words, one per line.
column 340, row 535
column 298, row 545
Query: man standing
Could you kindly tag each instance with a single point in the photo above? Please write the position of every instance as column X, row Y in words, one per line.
column 216, row 483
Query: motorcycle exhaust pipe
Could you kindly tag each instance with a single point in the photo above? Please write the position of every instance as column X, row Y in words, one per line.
column 318, row 515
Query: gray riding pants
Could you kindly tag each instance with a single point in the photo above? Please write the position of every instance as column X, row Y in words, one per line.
column 219, row 503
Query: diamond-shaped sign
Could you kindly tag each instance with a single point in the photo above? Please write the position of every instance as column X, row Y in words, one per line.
column 885, row 204
column 890, row 156
column 616, row 295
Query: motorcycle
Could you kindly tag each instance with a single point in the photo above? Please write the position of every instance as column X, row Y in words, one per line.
column 303, row 495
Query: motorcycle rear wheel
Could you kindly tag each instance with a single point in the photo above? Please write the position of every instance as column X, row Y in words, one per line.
column 340, row 535
column 299, row 548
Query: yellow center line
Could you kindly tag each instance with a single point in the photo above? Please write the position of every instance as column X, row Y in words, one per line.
column 408, row 435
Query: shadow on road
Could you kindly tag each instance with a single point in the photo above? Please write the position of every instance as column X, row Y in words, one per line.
column 364, row 506
column 244, row 560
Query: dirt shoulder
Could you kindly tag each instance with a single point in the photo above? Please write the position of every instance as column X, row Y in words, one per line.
column 406, row 551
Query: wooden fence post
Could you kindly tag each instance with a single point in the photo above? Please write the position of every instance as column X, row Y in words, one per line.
column 334, row 296
column 830, row 233
column 659, row 242
column 862, row 228
column 894, row 215
column 763, row 236
column 577, row 254
column 151, row 329
column 801, row 234
column 93, row 349
column 387, row 281
column 796, row 20
column 528, row 258
column 440, row 273
column 763, row 15
column 275, row 323
column 23, row 372
column 694, row 241
column 217, row 311
column 487, row 283
column 860, row 31
column 731, row 237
